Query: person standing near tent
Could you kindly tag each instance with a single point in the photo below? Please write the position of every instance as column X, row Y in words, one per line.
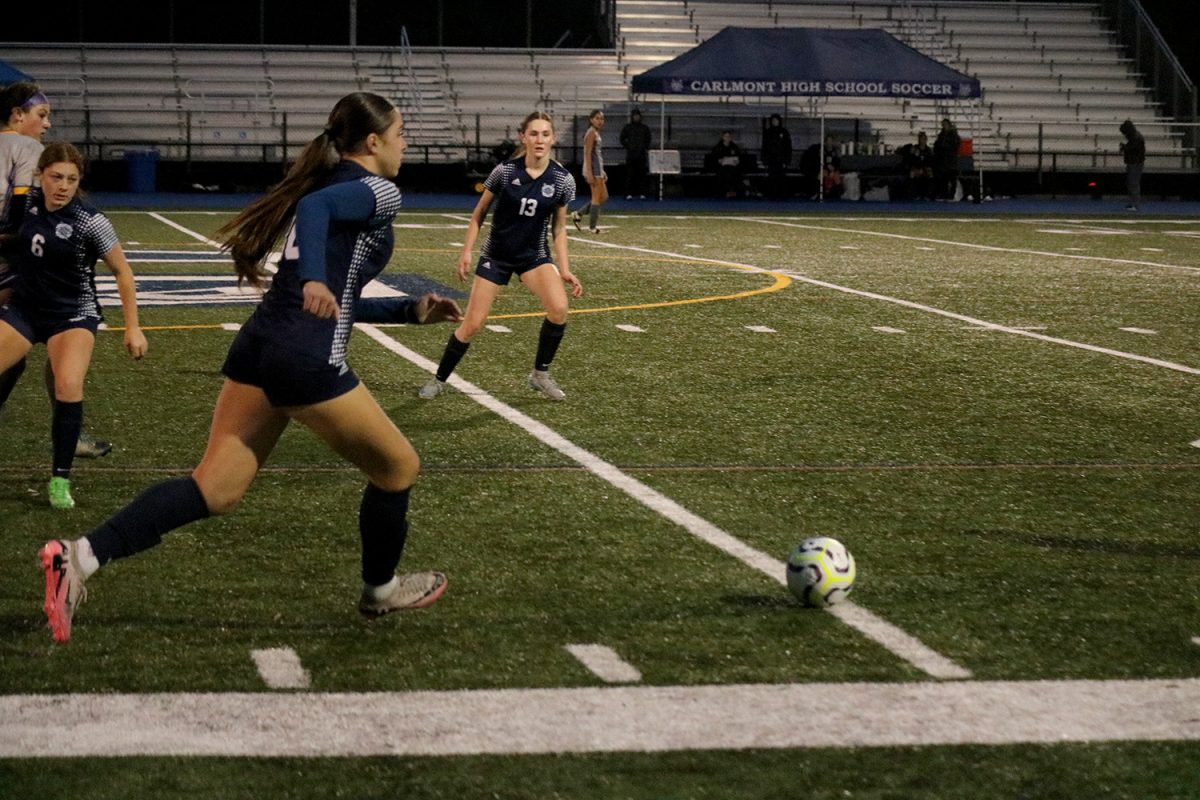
column 25, row 111
column 1133, row 151
column 593, row 173
column 636, row 139
column 530, row 193
column 945, row 161
column 776, row 156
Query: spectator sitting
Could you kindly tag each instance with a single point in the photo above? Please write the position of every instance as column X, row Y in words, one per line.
column 831, row 170
column 918, row 166
column 726, row 159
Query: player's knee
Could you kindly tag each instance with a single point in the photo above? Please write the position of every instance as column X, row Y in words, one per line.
column 557, row 313
column 68, row 389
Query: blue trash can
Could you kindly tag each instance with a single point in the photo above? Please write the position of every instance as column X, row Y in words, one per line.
column 143, row 169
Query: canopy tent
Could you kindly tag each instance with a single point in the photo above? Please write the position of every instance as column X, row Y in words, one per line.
column 807, row 62
column 819, row 62
column 10, row 74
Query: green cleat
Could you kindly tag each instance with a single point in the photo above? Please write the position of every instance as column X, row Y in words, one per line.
column 60, row 493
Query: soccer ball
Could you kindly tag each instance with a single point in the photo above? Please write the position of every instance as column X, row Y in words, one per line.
column 821, row 571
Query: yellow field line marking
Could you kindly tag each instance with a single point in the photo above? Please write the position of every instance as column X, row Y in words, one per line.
column 781, row 282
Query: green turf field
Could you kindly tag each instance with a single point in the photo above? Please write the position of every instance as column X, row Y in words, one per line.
column 998, row 416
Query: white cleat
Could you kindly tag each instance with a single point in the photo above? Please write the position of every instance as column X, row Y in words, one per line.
column 541, row 381
column 431, row 389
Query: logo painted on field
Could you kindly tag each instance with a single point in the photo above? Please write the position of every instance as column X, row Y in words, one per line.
column 223, row 290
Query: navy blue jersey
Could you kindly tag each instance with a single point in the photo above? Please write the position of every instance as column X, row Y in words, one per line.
column 523, row 211
column 341, row 236
column 56, row 257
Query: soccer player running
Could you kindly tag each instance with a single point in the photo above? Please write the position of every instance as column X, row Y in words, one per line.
column 60, row 239
column 288, row 362
column 593, row 173
column 25, row 112
column 530, row 192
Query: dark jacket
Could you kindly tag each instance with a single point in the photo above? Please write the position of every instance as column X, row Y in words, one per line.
column 1134, row 147
column 776, row 146
column 945, row 149
column 636, row 138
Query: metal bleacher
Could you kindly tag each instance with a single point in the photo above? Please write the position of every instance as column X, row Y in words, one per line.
column 1053, row 79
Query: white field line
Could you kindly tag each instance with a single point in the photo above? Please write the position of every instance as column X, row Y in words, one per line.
column 280, row 668
column 917, row 306
column 970, row 245
column 604, row 663
column 201, row 237
column 884, row 633
column 639, row 719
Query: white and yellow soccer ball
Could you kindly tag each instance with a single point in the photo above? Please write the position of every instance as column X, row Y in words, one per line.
column 821, row 571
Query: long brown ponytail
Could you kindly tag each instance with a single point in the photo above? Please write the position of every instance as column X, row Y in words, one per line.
column 250, row 236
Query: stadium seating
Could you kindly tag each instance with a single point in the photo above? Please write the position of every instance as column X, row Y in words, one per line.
column 1051, row 73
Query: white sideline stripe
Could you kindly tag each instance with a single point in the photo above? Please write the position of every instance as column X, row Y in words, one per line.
column 760, row 329
column 884, row 633
column 280, row 668
column 201, row 237
column 1158, row 362
column 498, row 328
column 231, row 326
column 1196, row 443
column 887, row 329
column 1143, row 331
column 604, row 663
column 971, row 245
column 910, row 304
column 630, row 329
column 1196, row 640
column 643, row 719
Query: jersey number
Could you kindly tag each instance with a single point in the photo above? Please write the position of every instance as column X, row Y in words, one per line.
column 528, row 207
column 36, row 244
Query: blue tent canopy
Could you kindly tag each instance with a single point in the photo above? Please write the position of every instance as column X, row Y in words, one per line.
column 822, row 62
column 10, row 74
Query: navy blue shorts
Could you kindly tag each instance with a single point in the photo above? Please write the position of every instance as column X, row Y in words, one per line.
column 287, row 377
column 500, row 273
column 38, row 328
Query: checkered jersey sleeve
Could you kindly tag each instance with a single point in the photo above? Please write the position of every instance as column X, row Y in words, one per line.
column 502, row 173
column 564, row 183
column 99, row 234
column 387, row 199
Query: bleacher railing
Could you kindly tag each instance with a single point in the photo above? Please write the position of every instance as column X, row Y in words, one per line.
column 1155, row 60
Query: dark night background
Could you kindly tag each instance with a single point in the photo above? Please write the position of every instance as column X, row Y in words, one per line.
column 429, row 23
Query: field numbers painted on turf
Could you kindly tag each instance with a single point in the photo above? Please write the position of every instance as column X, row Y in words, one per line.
column 631, row 329
column 280, row 668
column 604, row 663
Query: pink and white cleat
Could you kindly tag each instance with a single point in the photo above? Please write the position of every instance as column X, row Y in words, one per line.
column 64, row 586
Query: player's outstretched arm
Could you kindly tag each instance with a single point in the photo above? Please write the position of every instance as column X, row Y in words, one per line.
column 424, row 310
